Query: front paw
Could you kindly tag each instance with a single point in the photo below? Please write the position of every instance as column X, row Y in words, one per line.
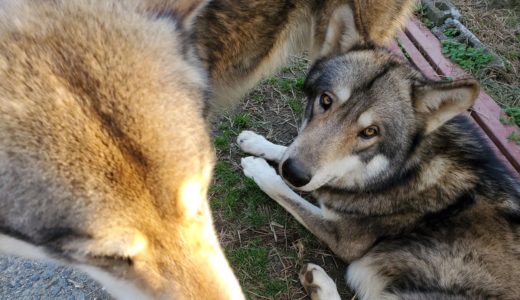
column 252, row 143
column 317, row 283
column 260, row 171
column 255, row 167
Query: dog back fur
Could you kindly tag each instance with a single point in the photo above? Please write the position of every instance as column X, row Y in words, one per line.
column 242, row 41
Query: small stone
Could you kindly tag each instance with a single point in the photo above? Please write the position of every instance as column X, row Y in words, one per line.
column 440, row 10
column 76, row 284
column 3, row 265
column 55, row 290
column 66, row 273
column 79, row 296
column 46, row 275
column 35, row 277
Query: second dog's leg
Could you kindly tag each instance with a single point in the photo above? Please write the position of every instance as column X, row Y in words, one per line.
column 258, row 145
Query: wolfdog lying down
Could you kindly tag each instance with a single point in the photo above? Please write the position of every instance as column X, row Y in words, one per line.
column 409, row 193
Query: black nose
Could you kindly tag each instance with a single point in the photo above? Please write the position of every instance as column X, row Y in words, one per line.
column 294, row 172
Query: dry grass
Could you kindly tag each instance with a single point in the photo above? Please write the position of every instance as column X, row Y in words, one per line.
column 264, row 244
column 499, row 29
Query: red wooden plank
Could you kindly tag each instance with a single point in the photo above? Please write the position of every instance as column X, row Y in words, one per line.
column 394, row 48
column 486, row 111
column 416, row 56
column 430, row 47
column 487, row 114
column 497, row 151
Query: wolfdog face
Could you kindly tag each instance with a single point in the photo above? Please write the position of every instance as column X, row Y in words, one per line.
column 366, row 112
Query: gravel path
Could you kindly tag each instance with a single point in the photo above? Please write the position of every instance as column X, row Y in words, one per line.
column 24, row 279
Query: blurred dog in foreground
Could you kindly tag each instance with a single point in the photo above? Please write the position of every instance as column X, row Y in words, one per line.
column 105, row 156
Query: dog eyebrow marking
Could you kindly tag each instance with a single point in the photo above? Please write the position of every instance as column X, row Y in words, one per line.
column 343, row 94
column 366, row 119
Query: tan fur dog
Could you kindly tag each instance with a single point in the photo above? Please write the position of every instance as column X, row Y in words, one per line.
column 410, row 195
column 105, row 157
column 242, row 41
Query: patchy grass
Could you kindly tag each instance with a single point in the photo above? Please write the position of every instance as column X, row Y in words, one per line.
column 451, row 32
column 242, row 120
column 514, row 115
column 469, row 58
column 420, row 12
column 252, row 260
column 259, row 99
column 265, row 245
column 499, row 30
column 515, row 137
column 296, row 105
column 222, row 141
column 287, row 85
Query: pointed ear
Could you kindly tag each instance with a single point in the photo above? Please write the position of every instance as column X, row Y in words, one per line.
column 439, row 102
column 342, row 33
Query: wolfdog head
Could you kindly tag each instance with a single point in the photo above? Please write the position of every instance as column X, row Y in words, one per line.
column 105, row 156
column 366, row 111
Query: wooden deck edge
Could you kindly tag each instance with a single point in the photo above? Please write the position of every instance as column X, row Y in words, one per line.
column 394, row 48
column 415, row 56
column 422, row 46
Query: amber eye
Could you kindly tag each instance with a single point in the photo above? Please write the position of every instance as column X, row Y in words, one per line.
column 325, row 101
column 369, row 132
